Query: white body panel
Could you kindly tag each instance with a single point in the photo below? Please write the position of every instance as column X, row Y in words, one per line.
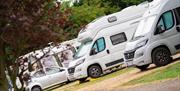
column 48, row 79
column 170, row 38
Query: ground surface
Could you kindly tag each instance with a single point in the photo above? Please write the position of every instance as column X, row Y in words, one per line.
column 168, row 85
column 116, row 83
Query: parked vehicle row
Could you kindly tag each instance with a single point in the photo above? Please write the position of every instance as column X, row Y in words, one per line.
column 136, row 36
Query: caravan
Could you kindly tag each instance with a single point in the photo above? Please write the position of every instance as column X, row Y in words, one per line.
column 103, row 42
column 157, row 36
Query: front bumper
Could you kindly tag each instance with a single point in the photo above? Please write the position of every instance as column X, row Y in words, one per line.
column 129, row 56
column 137, row 57
column 75, row 73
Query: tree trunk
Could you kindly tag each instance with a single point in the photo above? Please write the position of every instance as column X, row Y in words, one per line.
column 3, row 80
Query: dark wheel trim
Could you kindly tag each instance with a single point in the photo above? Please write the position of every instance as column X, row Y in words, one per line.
column 161, row 56
column 143, row 67
column 36, row 88
column 94, row 71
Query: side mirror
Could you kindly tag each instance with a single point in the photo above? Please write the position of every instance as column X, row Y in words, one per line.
column 178, row 29
column 159, row 30
column 93, row 51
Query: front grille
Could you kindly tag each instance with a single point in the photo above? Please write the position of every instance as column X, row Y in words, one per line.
column 71, row 70
column 129, row 55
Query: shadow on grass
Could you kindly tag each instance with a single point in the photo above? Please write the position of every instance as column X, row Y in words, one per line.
column 58, row 85
column 106, row 74
column 154, row 67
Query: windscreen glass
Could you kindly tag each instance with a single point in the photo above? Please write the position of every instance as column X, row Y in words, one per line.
column 144, row 27
column 83, row 49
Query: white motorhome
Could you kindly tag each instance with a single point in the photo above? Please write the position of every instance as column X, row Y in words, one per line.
column 157, row 36
column 103, row 42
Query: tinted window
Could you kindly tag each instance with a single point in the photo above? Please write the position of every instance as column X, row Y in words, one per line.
column 168, row 20
column 161, row 23
column 118, row 38
column 99, row 45
column 177, row 13
column 95, row 47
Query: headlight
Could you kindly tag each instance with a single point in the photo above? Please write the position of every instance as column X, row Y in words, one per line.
column 80, row 62
column 141, row 44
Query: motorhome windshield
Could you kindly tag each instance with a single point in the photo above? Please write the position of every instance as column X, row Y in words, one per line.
column 144, row 27
column 82, row 49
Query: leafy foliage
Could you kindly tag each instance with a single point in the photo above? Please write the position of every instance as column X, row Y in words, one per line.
column 27, row 25
column 85, row 11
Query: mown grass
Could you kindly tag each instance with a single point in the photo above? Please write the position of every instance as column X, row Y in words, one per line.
column 77, row 86
column 172, row 71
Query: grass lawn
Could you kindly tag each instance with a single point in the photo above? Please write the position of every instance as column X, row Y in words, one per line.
column 172, row 71
column 76, row 85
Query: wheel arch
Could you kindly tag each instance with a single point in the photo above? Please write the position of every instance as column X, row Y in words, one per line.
column 97, row 64
column 160, row 46
column 36, row 86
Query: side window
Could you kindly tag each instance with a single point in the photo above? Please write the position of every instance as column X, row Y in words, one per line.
column 39, row 73
column 52, row 70
column 177, row 13
column 161, row 23
column 166, row 21
column 118, row 38
column 99, row 45
column 95, row 47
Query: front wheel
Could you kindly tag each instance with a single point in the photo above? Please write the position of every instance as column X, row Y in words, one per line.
column 161, row 56
column 143, row 67
column 94, row 71
column 36, row 88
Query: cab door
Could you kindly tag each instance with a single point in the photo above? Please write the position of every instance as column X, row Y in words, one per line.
column 56, row 75
column 100, row 52
column 41, row 78
column 167, row 31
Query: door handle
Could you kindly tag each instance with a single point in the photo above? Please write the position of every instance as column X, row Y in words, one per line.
column 107, row 51
column 178, row 29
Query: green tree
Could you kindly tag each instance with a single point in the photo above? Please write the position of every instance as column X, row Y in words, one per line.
column 85, row 11
column 27, row 25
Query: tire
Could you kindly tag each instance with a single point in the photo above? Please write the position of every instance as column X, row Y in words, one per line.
column 161, row 56
column 143, row 67
column 94, row 71
column 36, row 88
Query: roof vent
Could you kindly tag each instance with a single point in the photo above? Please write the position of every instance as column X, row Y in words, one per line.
column 112, row 19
